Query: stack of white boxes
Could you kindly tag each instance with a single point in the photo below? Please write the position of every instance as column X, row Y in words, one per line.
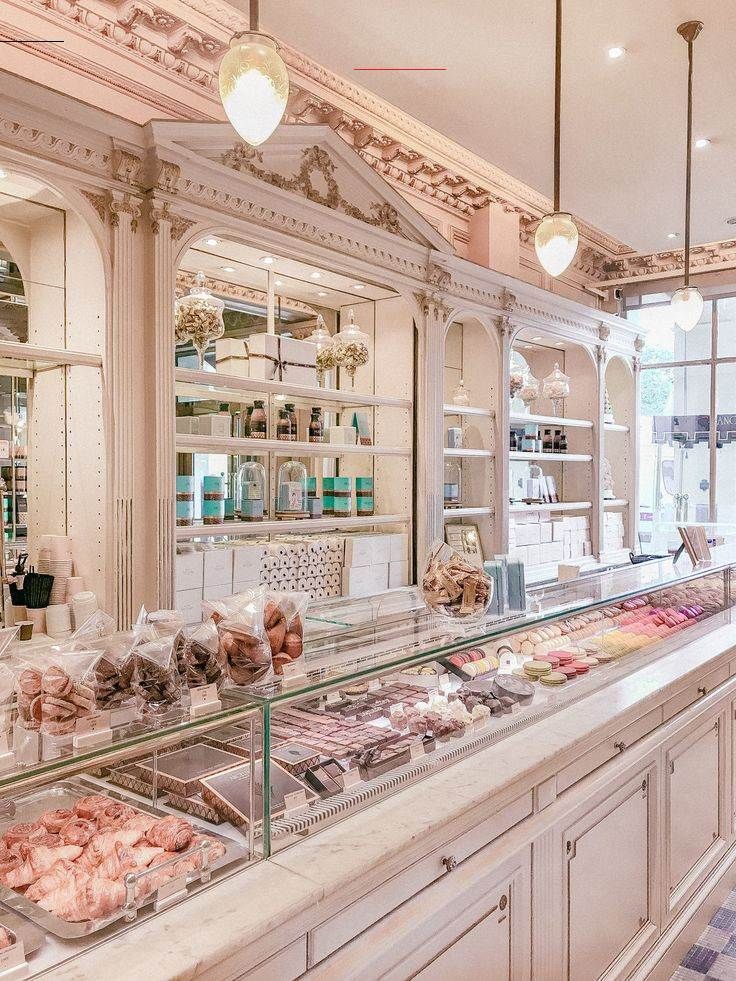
column 374, row 563
column 613, row 531
column 202, row 576
column 538, row 539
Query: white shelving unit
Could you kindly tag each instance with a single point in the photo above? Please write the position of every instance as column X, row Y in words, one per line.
column 551, row 457
column 231, row 445
column 519, row 419
column 466, row 410
column 617, row 502
column 614, row 427
column 563, row 506
column 462, row 452
column 301, row 526
column 467, row 512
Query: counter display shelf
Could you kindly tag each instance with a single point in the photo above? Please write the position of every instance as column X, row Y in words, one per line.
column 387, row 701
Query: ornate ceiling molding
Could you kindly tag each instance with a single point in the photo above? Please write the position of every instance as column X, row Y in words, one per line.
column 315, row 160
column 639, row 266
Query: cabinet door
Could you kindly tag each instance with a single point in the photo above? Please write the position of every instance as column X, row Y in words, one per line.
column 483, row 950
column 693, row 829
column 609, row 882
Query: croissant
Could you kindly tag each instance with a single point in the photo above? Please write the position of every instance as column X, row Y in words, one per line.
column 171, row 833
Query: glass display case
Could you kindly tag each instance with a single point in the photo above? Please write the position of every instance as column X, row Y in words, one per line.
column 390, row 695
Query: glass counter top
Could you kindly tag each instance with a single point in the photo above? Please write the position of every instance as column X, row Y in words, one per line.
column 354, row 638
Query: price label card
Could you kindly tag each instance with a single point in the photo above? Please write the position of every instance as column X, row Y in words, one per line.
column 395, row 709
column 333, row 697
column 12, row 958
column 295, row 801
column 93, row 723
column 374, row 685
column 294, row 673
column 168, row 892
column 350, row 778
column 204, row 700
column 416, row 750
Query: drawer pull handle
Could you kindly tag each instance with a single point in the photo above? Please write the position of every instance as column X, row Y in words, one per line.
column 702, row 691
column 450, row 863
column 620, row 745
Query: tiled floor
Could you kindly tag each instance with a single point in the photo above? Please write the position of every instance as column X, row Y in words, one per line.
column 714, row 955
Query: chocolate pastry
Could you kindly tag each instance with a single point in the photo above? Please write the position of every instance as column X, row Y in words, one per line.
column 247, row 658
column 113, row 681
column 199, row 664
column 158, row 686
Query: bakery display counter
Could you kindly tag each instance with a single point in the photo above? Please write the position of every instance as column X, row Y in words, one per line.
column 385, row 702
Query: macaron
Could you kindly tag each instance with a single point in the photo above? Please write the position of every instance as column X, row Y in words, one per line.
column 535, row 669
column 580, row 668
column 568, row 670
column 553, row 678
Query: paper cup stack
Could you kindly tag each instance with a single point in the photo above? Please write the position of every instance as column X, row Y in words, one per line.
column 58, row 621
column 84, row 604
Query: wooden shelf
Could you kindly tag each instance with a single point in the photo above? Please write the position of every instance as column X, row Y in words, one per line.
column 551, row 457
column 614, row 427
column 233, row 446
column 519, row 419
column 467, row 453
column 616, row 502
column 466, row 410
column 212, row 384
column 562, row 506
column 303, row 525
column 467, row 512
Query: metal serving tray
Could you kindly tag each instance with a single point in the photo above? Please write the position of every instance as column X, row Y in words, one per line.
column 29, row 807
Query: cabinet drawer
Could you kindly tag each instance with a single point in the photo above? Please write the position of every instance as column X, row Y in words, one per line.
column 606, row 750
column 367, row 910
column 695, row 690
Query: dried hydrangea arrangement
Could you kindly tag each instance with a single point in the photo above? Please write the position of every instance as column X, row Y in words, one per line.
column 351, row 348
column 198, row 317
column 326, row 357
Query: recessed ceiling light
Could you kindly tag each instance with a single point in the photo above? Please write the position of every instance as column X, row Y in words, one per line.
column 212, row 241
column 358, row 286
column 616, row 52
column 673, row 235
column 558, row 343
column 701, row 142
column 278, row 282
column 267, row 260
column 321, row 293
column 228, row 269
column 731, row 221
column 536, row 338
column 315, row 275
column 3, row 174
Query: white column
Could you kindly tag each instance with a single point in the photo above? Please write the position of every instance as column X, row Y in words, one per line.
column 502, row 423
column 599, row 451
column 161, row 308
column 122, row 363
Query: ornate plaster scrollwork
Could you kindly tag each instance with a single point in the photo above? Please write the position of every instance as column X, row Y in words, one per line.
column 504, row 326
column 508, row 300
column 315, row 160
column 166, row 176
column 638, row 343
column 604, row 332
column 125, row 205
column 432, row 305
column 178, row 224
column 438, row 277
column 126, row 166
column 99, row 203
column 138, row 11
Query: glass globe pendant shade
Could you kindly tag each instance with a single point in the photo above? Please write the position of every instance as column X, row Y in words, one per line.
column 687, row 307
column 254, row 86
column 556, row 242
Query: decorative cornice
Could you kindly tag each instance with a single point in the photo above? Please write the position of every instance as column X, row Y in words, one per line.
column 185, row 280
column 315, row 161
column 660, row 265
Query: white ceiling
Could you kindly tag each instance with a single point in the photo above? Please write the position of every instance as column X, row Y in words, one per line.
column 623, row 121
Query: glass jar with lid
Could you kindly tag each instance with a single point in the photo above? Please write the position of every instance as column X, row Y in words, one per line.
column 291, row 492
column 529, row 391
column 556, row 388
column 251, row 491
column 324, row 342
column 453, row 483
column 461, row 396
column 198, row 317
column 351, row 347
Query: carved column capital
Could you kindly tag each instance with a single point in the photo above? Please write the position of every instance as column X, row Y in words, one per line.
column 122, row 205
column 604, row 332
column 508, row 300
column 504, row 326
column 432, row 305
column 160, row 212
column 638, row 343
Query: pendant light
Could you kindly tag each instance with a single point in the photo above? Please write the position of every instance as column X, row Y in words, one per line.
column 687, row 301
column 556, row 238
column 254, row 82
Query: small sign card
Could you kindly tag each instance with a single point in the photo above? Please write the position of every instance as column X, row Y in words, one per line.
column 295, row 801
column 204, row 700
column 170, row 892
column 350, row 778
column 13, row 962
column 416, row 750
column 294, row 673
column 93, row 730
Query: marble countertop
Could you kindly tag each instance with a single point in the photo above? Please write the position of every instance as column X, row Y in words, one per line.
column 237, row 923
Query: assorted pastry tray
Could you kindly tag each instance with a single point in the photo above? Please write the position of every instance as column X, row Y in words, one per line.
column 76, row 857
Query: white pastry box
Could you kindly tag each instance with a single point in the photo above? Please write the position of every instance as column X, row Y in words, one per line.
column 398, row 574
column 231, row 356
column 381, row 550
column 189, row 571
column 398, row 547
column 248, row 562
column 215, row 424
column 218, row 567
column 358, row 551
column 189, row 603
column 358, row 581
column 282, row 359
column 217, row 592
column 379, row 576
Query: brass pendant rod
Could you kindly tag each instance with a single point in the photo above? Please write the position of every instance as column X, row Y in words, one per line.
column 255, row 19
column 689, row 166
column 558, row 102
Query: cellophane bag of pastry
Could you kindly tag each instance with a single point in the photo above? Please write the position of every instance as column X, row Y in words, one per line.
column 98, row 624
column 165, row 622
column 283, row 619
column 247, row 603
column 198, row 656
column 111, row 673
column 454, row 587
column 244, row 647
column 54, row 691
column 156, row 680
